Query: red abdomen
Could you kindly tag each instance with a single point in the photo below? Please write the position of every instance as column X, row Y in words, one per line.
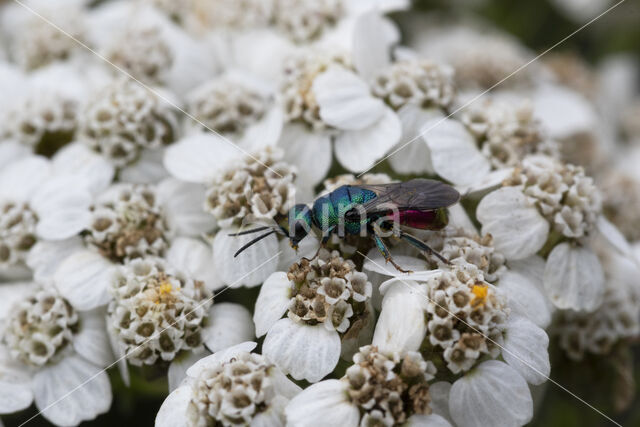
column 423, row 220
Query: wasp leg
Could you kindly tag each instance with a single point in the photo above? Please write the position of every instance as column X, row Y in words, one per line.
column 422, row 246
column 386, row 254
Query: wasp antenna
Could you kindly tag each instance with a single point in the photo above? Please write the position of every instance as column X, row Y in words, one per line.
column 256, row 240
column 253, row 230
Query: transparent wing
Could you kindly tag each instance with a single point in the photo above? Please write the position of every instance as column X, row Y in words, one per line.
column 420, row 194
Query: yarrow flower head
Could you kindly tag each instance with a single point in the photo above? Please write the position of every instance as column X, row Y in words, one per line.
column 37, row 43
column 143, row 53
column 48, row 348
column 462, row 323
column 156, row 312
column 562, row 192
column 546, row 202
column 303, row 21
column 420, row 82
column 300, row 72
column 40, row 327
column 232, row 387
column 255, row 188
column 325, row 300
column 378, row 389
column 128, row 222
column 507, row 132
column 123, row 120
column 227, row 106
column 44, row 121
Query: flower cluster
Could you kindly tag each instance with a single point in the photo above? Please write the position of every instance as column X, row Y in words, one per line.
column 327, row 290
column 156, row 313
column 257, row 188
column 124, row 119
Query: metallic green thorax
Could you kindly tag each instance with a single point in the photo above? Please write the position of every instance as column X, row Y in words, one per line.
column 327, row 210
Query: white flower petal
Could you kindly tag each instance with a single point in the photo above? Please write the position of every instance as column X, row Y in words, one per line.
column 302, row 351
column 371, row 52
column 439, row 393
column 148, row 169
column 359, row 150
column 573, row 278
column 15, row 385
column 273, row 416
column 252, row 266
column 454, row 153
column 228, row 324
column 459, row 219
column 306, row 248
column 562, row 111
column 413, row 156
column 180, row 365
column 195, row 258
column 45, row 257
column 526, row 350
column 173, row 412
column 345, row 100
column 518, row 229
column 11, row 151
column 282, row 384
column 432, row 420
column 198, row 158
column 83, row 279
column 71, row 391
column 272, row 302
column 524, row 298
column 11, row 293
column 613, row 235
column 183, row 205
column 62, row 206
column 264, row 133
column 351, row 346
column 19, row 180
column 491, row 181
column 89, row 168
column 322, row 404
column 220, row 357
column 92, row 341
column 401, row 325
column 309, row 151
column 493, row 395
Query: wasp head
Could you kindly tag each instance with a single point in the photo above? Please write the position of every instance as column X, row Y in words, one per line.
column 297, row 224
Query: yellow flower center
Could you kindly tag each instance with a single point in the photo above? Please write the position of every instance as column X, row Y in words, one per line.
column 480, row 292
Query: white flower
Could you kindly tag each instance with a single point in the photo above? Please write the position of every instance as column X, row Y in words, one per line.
column 158, row 313
column 480, row 59
column 458, row 319
column 125, row 121
column 326, row 301
column 478, row 151
column 143, row 42
column 238, row 189
column 231, row 387
column 616, row 320
column 386, row 388
column 54, row 355
column 35, row 42
column 325, row 98
column 239, row 106
column 39, row 200
column 548, row 199
column 126, row 222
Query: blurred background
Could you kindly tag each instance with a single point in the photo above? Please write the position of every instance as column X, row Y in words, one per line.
column 581, row 62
